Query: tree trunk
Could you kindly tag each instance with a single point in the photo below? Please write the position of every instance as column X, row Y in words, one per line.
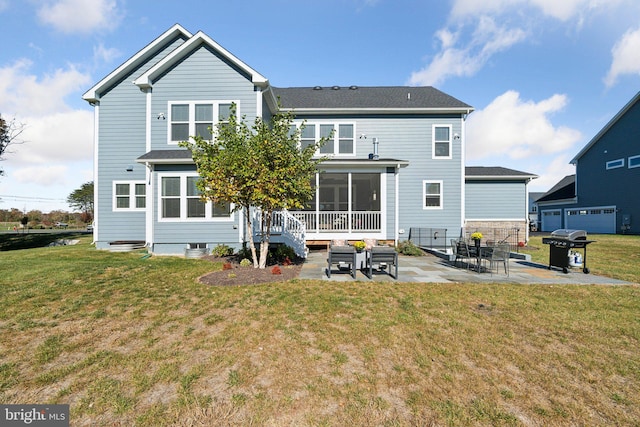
column 252, row 245
column 265, row 237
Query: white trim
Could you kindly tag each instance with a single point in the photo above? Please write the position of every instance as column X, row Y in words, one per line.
column 192, row 118
column 132, row 195
column 433, row 141
column 183, row 201
column 96, row 199
column 633, row 158
column 146, row 79
column 424, row 194
column 148, row 121
column 149, row 226
column 615, row 164
column 92, row 95
column 336, row 136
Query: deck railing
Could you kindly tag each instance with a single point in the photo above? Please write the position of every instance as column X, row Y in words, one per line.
column 340, row 221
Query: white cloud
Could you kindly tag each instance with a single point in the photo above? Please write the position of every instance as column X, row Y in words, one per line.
column 59, row 137
column 518, row 129
column 487, row 40
column 80, row 16
column 43, row 175
column 625, row 57
column 562, row 10
column 105, row 55
column 22, row 93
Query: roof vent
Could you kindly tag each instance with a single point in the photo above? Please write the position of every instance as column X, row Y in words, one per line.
column 335, row 87
column 353, row 87
column 317, row 88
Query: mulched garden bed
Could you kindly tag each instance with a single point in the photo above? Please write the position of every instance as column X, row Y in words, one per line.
column 239, row 275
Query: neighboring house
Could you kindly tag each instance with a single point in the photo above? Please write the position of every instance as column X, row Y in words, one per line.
column 605, row 198
column 552, row 203
column 396, row 157
column 534, row 218
column 497, row 198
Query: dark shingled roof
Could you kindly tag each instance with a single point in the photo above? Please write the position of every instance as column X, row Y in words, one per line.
column 565, row 189
column 378, row 97
column 495, row 172
column 160, row 156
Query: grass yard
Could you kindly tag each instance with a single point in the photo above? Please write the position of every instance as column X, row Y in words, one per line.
column 130, row 340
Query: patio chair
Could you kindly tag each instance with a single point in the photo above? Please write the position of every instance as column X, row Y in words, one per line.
column 342, row 254
column 382, row 255
column 500, row 255
column 462, row 252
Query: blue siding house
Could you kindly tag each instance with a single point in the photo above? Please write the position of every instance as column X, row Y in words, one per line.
column 396, row 160
column 602, row 196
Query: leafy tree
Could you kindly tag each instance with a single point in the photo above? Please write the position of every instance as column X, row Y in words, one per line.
column 81, row 200
column 9, row 133
column 261, row 167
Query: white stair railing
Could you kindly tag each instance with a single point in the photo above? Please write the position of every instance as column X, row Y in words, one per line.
column 285, row 228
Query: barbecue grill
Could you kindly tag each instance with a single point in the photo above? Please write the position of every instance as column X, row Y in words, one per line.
column 560, row 242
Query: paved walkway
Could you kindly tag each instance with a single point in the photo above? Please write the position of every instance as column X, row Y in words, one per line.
column 432, row 269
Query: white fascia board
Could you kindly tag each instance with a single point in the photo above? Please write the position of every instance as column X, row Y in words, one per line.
column 501, row 177
column 606, row 128
column 146, row 79
column 92, row 94
column 329, row 111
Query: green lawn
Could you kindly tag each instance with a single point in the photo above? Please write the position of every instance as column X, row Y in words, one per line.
column 128, row 339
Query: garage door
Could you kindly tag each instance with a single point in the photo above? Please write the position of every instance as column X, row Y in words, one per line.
column 593, row 220
column 551, row 220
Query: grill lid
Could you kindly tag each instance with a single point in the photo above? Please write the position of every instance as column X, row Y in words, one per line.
column 570, row 234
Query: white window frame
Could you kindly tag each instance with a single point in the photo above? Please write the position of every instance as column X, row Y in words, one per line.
column 132, row 196
column 424, row 194
column 631, row 159
column 433, row 141
column 183, row 201
column 192, row 115
column 336, row 136
column 615, row 164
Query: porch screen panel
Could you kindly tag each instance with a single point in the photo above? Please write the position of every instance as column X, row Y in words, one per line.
column 365, row 201
column 334, row 192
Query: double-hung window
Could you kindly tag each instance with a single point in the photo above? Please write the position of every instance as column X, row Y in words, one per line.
column 180, row 200
column 129, row 195
column 432, row 195
column 199, row 118
column 340, row 138
column 441, row 137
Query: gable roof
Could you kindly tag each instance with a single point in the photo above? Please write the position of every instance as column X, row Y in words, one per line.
column 200, row 38
column 606, row 128
column 93, row 94
column 479, row 173
column 384, row 99
column 564, row 189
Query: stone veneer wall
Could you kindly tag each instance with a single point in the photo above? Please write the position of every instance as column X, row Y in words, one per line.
column 513, row 231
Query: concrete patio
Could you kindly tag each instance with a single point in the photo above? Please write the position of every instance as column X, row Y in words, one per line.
column 432, row 269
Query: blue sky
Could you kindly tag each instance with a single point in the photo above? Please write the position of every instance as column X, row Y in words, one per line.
column 544, row 76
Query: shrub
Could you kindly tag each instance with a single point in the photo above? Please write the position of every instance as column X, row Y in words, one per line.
column 282, row 252
column 246, row 262
column 407, row 247
column 227, row 266
column 222, row 250
column 276, row 270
